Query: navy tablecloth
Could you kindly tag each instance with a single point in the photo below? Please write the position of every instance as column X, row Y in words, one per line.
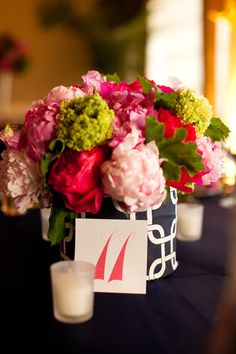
column 174, row 317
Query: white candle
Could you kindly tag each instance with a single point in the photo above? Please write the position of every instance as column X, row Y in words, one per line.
column 189, row 221
column 72, row 290
column 73, row 296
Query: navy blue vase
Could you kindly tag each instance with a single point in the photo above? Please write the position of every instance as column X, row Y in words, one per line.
column 161, row 259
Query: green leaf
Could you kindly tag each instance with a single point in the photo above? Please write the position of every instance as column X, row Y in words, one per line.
column 172, row 172
column 217, row 130
column 113, row 77
column 56, row 148
column 146, row 84
column 167, row 194
column 165, row 100
column 45, row 163
column 154, row 130
column 174, row 151
column 181, row 154
column 178, row 137
column 59, row 216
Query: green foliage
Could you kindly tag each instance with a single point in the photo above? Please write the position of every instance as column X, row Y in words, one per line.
column 154, row 130
column 174, row 151
column 113, row 77
column 146, row 84
column 56, row 148
column 59, row 216
column 217, row 130
column 165, row 100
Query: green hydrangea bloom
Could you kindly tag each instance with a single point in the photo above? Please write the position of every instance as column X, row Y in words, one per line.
column 193, row 108
column 85, row 122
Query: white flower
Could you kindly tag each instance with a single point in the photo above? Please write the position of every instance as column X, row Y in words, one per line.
column 20, row 178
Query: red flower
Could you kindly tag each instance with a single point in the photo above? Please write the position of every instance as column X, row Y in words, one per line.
column 172, row 122
column 76, row 175
column 183, row 183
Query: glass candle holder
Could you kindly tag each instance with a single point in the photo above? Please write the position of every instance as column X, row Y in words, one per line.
column 72, row 290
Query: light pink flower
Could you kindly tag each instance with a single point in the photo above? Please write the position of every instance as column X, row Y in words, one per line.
column 20, row 178
column 131, row 141
column 92, row 81
column 134, row 177
column 63, row 93
column 212, row 158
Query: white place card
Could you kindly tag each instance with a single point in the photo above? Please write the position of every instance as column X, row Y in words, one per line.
column 118, row 248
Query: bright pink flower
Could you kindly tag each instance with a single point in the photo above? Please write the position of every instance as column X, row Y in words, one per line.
column 134, row 177
column 106, row 88
column 76, row 176
column 165, row 88
column 131, row 108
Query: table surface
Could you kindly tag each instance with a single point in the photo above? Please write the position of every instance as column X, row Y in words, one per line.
column 174, row 317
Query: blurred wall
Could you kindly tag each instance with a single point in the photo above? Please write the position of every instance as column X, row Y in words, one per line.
column 58, row 56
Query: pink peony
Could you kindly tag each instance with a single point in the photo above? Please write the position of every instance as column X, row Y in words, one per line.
column 134, row 177
column 131, row 108
column 212, row 158
column 40, row 121
column 39, row 128
column 92, row 81
column 63, row 93
column 20, row 178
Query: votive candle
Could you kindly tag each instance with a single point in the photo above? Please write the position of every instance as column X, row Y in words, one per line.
column 72, row 290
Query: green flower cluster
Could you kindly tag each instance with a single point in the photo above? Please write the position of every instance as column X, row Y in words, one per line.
column 85, row 122
column 193, row 108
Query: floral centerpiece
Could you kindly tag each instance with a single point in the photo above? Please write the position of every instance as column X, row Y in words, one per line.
column 106, row 137
column 14, row 54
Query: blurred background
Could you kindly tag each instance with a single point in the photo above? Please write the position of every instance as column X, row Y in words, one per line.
column 68, row 37
column 192, row 41
column 158, row 38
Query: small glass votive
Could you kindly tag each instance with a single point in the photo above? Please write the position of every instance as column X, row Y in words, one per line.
column 45, row 214
column 72, row 290
column 189, row 221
